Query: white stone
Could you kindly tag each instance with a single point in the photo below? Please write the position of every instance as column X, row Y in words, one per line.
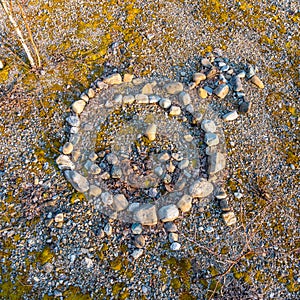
column 174, row 88
column 108, row 229
column 120, row 202
column 175, row 246
column 59, row 218
column 95, row 191
column 79, row 182
column 113, row 79
column 175, row 110
column 208, row 126
column 216, row 163
column 151, row 132
column 141, row 99
column 67, row 148
column 107, row 198
column 64, row 162
column 185, row 203
column 78, row 106
column 145, row 214
column 165, row 103
column 231, row 116
column 229, row 218
column 184, row 98
column 201, row 188
column 73, row 121
column 211, row 139
column 168, row 213
column 128, row 99
column 137, row 253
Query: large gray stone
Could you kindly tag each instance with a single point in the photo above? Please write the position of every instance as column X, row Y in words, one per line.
column 201, row 188
column 216, row 163
column 174, row 88
column 120, row 202
column 79, row 182
column 145, row 214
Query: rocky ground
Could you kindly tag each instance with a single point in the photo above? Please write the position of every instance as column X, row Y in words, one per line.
column 55, row 244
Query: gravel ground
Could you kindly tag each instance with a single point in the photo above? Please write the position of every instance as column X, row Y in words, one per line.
column 79, row 41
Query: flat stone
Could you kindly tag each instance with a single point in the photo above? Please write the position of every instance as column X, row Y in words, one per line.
column 79, row 182
column 101, row 85
column 139, row 241
column 211, row 73
column 159, row 171
column 147, row 89
column 241, row 74
column 173, row 237
column 175, row 246
column 84, row 97
column 206, row 63
column 113, row 79
column 64, row 162
column 229, row 218
column 245, row 107
column 136, row 228
column 209, row 90
column 208, row 126
column 117, row 99
column 231, row 116
column 90, row 92
column 92, row 168
column 151, row 132
column 256, row 81
column 175, row 110
column 73, row 121
column 221, row 91
column 237, row 84
column 201, row 188
column 185, row 203
column 154, row 99
column 128, row 99
column 170, row 227
column 198, row 77
column 216, row 163
column 95, row 191
column 1, row 65
column 141, row 99
column 145, row 214
column 202, row 93
column 116, row 172
column 78, row 106
column 74, row 130
column 168, row 213
column 119, row 202
column 107, row 198
column 59, row 218
column 137, row 253
column 112, row 159
column 164, row 157
column 165, row 103
column 211, row 139
column 174, row 88
column 183, row 164
column 190, row 109
column 108, row 229
column 184, row 98
column 67, row 148
column 127, row 77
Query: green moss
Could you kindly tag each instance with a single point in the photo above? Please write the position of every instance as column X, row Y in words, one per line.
column 117, row 288
column 175, row 284
column 45, row 256
column 76, row 196
column 74, row 293
column 186, row 296
column 16, row 290
column 116, row 264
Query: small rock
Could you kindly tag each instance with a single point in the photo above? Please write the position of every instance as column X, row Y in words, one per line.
column 168, row 213
column 188, row 138
column 241, row 74
column 113, row 79
column 48, row 267
column 128, row 99
column 198, row 77
column 211, row 139
column 107, row 198
column 139, row 241
column 91, row 93
column 64, row 162
column 127, row 77
column 88, row 262
column 209, row 90
column 175, row 246
column 59, row 218
column 237, row 84
column 174, row 88
column 175, row 111
column 170, row 227
column 221, row 91
column 78, row 106
column 185, row 203
column 184, row 98
column 221, row 194
column 231, row 116
column 142, row 99
column 183, row 164
column 136, row 228
column 216, row 163
column 202, row 93
column 137, row 253
column 177, row 156
column 159, row 171
column 67, row 148
column 74, row 130
column 229, row 218
column 76, row 154
column 208, row 126
column 245, row 106
column 78, row 182
column 108, row 229
column 133, row 206
column 92, row 168
column 170, row 167
column 190, row 109
column 119, row 202
column 238, row 195
column 206, row 63
column 151, row 132
column 93, row 156
column 212, row 73
column 201, row 188
column 147, row 89
column 112, row 159
column 101, row 85
column 165, row 103
column 145, row 214
column 209, row 229
column 73, row 121
column 116, row 172
column 84, row 97
column 164, row 157
column 256, row 81
column 173, row 237
column 154, row 99
column 224, row 205
column 94, row 191
column 1, row 65
column 250, row 72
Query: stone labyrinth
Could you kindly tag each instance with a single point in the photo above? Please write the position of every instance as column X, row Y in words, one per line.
column 144, row 150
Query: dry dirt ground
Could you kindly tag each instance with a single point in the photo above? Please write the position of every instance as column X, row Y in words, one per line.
column 79, row 41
